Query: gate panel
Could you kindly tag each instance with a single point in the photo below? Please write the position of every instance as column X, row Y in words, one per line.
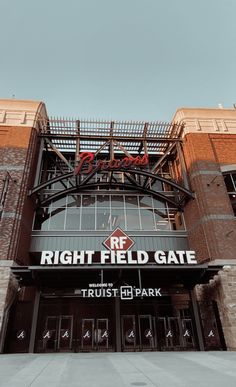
column 87, row 334
column 212, row 330
column 102, row 334
column 65, row 333
column 187, row 333
column 128, row 332
column 161, row 333
column 173, row 334
column 146, row 332
column 50, row 334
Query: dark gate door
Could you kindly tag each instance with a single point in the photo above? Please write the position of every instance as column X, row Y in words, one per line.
column 147, row 332
column 57, row 335
column 128, row 332
column 95, row 334
column 211, row 326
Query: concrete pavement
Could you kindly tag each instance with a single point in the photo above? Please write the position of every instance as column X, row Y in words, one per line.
column 159, row 369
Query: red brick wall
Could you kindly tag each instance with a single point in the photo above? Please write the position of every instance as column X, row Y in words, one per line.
column 18, row 157
column 209, row 218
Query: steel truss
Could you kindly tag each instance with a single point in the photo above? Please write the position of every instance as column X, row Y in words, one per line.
column 108, row 140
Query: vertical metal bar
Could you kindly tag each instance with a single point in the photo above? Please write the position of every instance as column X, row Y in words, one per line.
column 118, row 327
column 197, row 320
column 144, row 138
column 34, row 321
column 139, row 278
column 39, row 163
column 183, row 165
column 77, row 152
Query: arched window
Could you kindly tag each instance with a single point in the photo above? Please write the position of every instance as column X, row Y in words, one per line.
column 129, row 211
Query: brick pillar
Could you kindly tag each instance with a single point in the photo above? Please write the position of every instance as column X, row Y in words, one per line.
column 8, row 287
column 209, row 218
column 17, row 157
column 19, row 123
column 222, row 289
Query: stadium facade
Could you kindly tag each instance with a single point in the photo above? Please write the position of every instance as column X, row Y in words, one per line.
column 115, row 235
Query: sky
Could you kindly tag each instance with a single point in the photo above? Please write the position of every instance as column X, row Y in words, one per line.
column 119, row 59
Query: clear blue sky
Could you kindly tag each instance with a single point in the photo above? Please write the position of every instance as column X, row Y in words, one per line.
column 119, row 59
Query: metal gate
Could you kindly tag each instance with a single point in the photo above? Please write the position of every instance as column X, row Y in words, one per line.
column 95, row 335
column 147, row 333
column 58, row 333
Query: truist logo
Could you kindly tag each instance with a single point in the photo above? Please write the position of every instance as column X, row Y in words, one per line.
column 87, row 163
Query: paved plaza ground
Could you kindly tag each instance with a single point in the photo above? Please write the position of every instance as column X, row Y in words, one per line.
column 159, row 369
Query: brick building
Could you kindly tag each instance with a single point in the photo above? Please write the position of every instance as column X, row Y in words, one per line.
column 117, row 236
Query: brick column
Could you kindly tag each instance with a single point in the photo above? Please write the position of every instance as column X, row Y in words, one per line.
column 222, row 289
column 8, row 287
column 209, row 218
column 19, row 124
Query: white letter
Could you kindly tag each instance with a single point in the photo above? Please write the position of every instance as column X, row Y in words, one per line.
column 172, row 258
column 160, row 257
column 181, row 256
column 66, row 257
column 78, row 256
column 190, row 255
column 122, row 241
column 114, row 242
column 142, row 257
column 46, row 258
column 104, row 256
column 120, row 257
column 90, row 256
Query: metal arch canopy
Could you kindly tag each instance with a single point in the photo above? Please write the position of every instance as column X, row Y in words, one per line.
column 135, row 185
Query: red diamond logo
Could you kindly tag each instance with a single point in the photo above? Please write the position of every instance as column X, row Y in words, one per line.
column 118, row 240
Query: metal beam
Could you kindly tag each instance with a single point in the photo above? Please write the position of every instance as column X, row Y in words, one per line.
column 59, row 154
column 197, row 320
column 39, row 162
column 34, row 321
column 156, row 166
column 118, row 325
column 183, row 165
column 122, row 148
column 77, row 152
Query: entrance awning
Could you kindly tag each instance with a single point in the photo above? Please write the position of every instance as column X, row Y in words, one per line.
column 60, row 277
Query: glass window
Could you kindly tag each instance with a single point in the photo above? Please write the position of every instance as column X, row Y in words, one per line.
column 73, row 218
column 131, row 201
column 117, row 201
column 103, row 201
column 88, row 218
column 234, row 180
column 73, row 201
column 117, row 218
column 157, row 186
column 147, row 219
column 229, row 183
column 132, row 218
column 106, row 212
column 145, row 201
column 159, row 204
column 161, row 220
column 103, row 219
column 59, row 203
column 58, row 186
column 88, row 200
column 233, row 202
column 57, row 219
